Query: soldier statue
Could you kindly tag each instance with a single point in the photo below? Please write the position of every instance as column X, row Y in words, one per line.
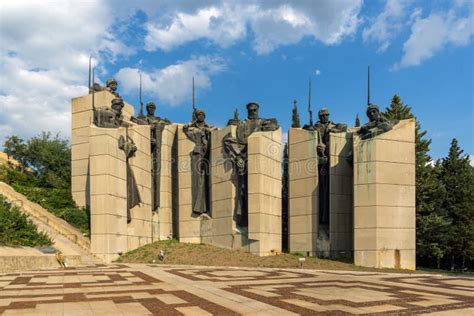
column 133, row 195
column 110, row 85
column 112, row 117
column 199, row 132
column 377, row 124
column 324, row 127
column 236, row 148
column 157, row 124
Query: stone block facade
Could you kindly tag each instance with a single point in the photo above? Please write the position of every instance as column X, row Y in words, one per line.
column 303, row 191
column 384, row 198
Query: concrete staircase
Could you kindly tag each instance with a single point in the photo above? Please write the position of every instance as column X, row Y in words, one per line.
column 69, row 240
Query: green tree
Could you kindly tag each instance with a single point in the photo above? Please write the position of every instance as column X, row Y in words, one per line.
column 357, row 121
column 15, row 147
column 49, row 157
column 458, row 178
column 397, row 110
column 295, row 120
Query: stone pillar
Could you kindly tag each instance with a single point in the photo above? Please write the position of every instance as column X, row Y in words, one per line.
column 303, row 191
column 341, row 224
column 384, row 198
column 81, row 120
column 165, row 212
column 264, row 192
column 189, row 223
column 139, row 230
column 221, row 231
column 108, row 193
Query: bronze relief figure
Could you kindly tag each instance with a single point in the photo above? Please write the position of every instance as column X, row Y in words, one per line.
column 199, row 132
column 236, row 148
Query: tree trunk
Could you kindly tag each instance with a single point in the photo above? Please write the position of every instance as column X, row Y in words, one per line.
column 452, row 263
column 463, row 262
column 438, row 262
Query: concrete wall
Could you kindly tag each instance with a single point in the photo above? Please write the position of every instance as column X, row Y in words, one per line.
column 165, row 212
column 264, row 192
column 384, row 199
column 221, row 231
column 81, row 119
column 189, row 223
column 341, row 224
column 108, row 194
column 303, row 191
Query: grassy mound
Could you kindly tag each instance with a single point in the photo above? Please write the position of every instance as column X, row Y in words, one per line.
column 206, row 255
column 17, row 230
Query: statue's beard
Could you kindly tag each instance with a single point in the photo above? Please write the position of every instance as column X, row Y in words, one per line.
column 253, row 116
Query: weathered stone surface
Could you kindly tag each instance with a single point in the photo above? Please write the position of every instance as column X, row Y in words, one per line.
column 384, row 198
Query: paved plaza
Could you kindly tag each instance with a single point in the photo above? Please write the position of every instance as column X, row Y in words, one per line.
column 140, row 289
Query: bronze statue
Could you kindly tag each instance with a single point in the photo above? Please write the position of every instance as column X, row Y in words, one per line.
column 324, row 127
column 133, row 195
column 112, row 117
column 110, row 85
column 377, row 124
column 157, row 124
column 236, row 148
column 200, row 133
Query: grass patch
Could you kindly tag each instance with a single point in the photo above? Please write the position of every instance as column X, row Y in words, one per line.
column 207, row 255
column 59, row 202
column 17, row 230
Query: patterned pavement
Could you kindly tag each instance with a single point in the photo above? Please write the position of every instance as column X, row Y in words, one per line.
column 139, row 289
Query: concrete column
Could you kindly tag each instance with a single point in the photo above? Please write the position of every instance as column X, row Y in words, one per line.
column 108, row 193
column 221, row 231
column 139, row 231
column 384, row 199
column 264, row 192
column 165, row 213
column 303, row 191
column 81, row 120
column 189, row 223
column 341, row 224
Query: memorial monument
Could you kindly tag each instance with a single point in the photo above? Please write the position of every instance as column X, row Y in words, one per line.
column 143, row 178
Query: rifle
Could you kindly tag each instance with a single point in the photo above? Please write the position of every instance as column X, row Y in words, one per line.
column 194, row 105
column 89, row 85
column 309, row 106
column 368, row 85
column 141, row 101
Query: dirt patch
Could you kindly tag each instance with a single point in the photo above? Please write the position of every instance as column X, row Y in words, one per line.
column 206, row 255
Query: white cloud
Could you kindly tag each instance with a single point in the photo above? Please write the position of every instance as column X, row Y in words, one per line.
column 172, row 84
column 44, row 61
column 272, row 23
column 431, row 34
column 387, row 24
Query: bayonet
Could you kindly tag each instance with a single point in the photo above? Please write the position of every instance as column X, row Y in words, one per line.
column 89, row 85
column 309, row 106
column 194, row 104
column 141, row 101
column 368, row 85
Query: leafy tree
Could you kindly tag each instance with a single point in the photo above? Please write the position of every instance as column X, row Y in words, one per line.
column 357, row 121
column 295, row 120
column 49, row 157
column 16, row 148
column 458, row 178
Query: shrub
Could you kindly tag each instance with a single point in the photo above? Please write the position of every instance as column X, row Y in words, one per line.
column 17, row 230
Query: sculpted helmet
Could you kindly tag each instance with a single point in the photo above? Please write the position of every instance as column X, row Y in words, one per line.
column 111, row 81
column 323, row 111
column 252, row 103
column 372, row 107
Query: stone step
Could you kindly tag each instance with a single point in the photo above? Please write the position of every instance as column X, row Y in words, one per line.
column 67, row 238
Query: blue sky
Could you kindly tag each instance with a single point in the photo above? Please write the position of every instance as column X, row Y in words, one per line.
column 239, row 51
